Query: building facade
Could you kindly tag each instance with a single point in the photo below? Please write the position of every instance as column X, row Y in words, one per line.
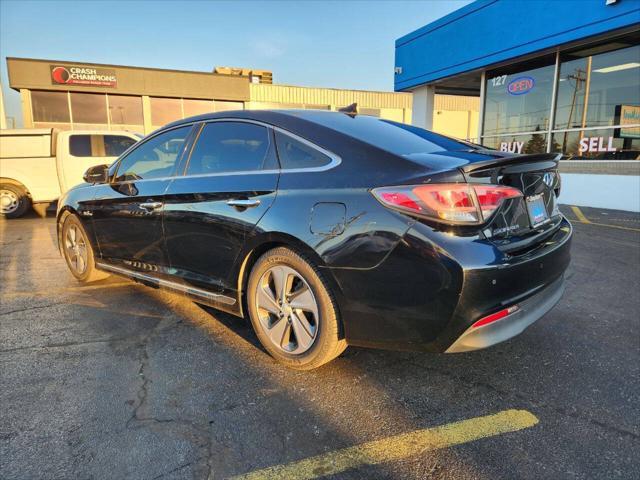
column 550, row 76
column 74, row 95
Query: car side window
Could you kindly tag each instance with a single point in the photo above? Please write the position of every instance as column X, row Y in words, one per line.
column 154, row 158
column 231, row 147
column 295, row 154
column 86, row 145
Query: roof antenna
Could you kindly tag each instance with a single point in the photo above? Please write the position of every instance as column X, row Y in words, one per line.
column 351, row 110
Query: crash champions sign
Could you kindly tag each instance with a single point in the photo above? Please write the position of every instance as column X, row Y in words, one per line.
column 87, row 76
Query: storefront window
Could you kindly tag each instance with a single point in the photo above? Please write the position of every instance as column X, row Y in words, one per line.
column 89, row 108
column 125, row 110
column 165, row 110
column 518, row 99
column 196, row 107
column 222, row 106
column 599, row 144
column 532, row 143
column 50, row 106
column 592, row 87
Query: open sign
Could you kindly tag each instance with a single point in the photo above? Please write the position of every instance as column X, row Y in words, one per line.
column 520, row 85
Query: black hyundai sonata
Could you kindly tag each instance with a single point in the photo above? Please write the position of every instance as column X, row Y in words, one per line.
column 328, row 229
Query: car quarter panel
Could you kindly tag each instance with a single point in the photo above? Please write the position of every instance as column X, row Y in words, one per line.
column 433, row 287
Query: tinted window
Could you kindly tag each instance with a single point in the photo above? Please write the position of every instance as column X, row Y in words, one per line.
column 295, row 154
column 98, row 145
column 393, row 137
column 154, row 158
column 89, row 108
column 231, row 147
column 125, row 110
column 165, row 110
column 50, row 106
column 80, row 145
column 115, row 145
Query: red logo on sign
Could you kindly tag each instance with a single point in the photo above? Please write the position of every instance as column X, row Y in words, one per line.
column 60, row 75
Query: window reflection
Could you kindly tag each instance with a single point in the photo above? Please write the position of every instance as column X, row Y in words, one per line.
column 50, row 106
column 591, row 87
column 89, row 108
column 518, row 98
column 598, row 144
column 125, row 110
column 196, row 107
column 532, row 143
column 165, row 110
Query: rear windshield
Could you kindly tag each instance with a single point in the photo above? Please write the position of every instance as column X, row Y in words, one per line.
column 397, row 138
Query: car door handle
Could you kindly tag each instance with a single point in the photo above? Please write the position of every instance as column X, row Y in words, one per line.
column 247, row 203
column 151, row 205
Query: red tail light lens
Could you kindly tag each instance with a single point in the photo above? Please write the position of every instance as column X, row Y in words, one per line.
column 494, row 317
column 458, row 203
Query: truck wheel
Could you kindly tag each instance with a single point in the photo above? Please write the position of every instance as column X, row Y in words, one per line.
column 14, row 201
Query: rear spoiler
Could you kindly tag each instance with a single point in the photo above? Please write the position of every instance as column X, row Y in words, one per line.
column 504, row 160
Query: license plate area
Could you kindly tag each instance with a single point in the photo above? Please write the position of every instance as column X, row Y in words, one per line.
column 537, row 210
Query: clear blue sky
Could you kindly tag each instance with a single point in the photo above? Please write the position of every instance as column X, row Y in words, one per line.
column 328, row 44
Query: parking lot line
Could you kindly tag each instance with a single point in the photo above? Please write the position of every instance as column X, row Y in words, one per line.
column 578, row 213
column 398, row 447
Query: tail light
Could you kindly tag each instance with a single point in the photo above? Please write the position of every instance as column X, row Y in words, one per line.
column 457, row 203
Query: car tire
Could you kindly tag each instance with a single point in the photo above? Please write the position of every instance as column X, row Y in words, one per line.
column 78, row 252
column 311, row 336
column 14, row 200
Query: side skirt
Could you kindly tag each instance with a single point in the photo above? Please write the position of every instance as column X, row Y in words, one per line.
column 215, row 300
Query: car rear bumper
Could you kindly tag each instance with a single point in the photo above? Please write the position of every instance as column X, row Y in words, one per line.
column 433, row 287
column 530, row 310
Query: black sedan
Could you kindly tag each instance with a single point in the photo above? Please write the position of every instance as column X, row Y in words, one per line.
column 329, row 229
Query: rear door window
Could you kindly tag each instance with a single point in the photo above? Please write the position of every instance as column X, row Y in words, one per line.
column 294, row 154
column 224, row 147
column 85, row 145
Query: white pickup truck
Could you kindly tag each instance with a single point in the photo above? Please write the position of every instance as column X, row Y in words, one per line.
column 38, row 165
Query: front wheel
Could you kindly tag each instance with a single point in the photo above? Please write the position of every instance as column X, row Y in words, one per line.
column 293, row 311
column 78, row 252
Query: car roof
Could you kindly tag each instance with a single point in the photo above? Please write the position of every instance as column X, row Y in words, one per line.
column 272, row 116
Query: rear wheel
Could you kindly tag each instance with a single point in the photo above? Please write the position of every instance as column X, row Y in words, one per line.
column 14, row 201
column 293, row 311
column 78, row 252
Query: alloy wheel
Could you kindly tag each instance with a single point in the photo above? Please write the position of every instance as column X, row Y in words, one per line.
column 76, row 249
column 287, row 309
column 9, row 202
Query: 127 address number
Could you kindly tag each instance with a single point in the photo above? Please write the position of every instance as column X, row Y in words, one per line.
column 498, row 81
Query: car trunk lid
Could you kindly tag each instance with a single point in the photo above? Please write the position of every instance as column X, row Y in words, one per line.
column 524, row 222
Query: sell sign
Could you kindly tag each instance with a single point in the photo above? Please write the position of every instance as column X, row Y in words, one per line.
column 87, row 76
column 596, row 144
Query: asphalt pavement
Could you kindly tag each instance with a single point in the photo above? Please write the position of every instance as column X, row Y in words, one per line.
column 117, row 380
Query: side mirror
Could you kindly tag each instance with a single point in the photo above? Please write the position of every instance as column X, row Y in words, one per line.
column 97, row 174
